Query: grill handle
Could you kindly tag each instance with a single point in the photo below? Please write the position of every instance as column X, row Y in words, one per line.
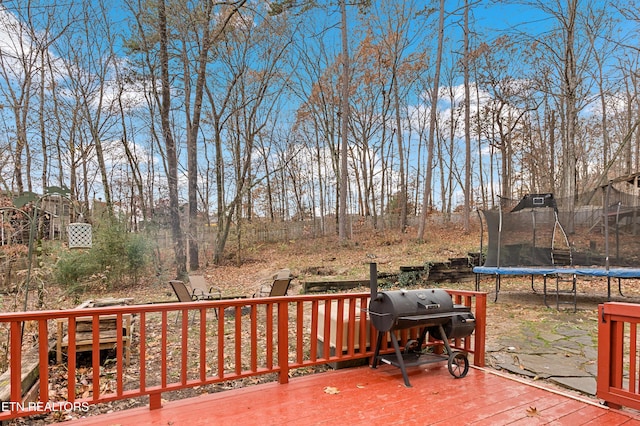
column 429, row 306
column 378, row 314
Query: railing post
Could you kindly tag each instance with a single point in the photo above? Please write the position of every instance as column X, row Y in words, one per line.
column 616, row 329
column 155, row 400
column 617, row 354
column 16, row 361
column 283, row 342
column 604, row 344
column 43, row 353
column 480, row 333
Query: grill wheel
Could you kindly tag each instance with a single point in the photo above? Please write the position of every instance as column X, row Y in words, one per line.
column 412, row 346
column 458, row 364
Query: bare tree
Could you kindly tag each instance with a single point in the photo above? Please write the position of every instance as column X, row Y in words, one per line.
column 132, row 159
column 399, row 28
column 344, row 124
column 316, row 84
column 435, row 89
column 599, row 35
column 96, row 59
column 32, row 30
column 467, row 120
column 170, row 145
column 251, row 78
column 565, row 53
column 212, row 26
column 569, row 89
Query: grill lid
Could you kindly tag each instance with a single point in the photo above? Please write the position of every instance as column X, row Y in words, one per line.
column 409, row 308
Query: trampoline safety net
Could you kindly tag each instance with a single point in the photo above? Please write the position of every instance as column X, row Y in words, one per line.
column 540, row 230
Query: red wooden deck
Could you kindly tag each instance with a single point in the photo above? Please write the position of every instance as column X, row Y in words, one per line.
column 368, row 396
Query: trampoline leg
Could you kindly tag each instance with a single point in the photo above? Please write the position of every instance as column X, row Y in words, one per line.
column 620, row 286
column 608, row 289
column 497, row 287
column 575, row 293
column 532, row 287
column 544, row 290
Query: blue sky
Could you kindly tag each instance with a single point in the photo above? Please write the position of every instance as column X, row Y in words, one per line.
column 491, row 20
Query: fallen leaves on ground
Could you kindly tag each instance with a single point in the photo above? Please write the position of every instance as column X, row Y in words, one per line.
column 331, row 390
column 532, row 412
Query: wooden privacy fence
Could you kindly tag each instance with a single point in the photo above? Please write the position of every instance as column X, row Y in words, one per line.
column 183, row 345
column 618, row 381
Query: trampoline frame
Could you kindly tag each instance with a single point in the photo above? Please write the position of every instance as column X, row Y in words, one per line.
column 544, row 272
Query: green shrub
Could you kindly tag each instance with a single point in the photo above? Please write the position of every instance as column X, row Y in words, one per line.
column 109, row 246
column 116, row 258
column 73, row 267
column 138, row 252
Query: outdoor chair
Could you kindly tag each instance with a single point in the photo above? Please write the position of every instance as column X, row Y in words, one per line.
column 201, row 290
column 184, row 295
column 278, row 287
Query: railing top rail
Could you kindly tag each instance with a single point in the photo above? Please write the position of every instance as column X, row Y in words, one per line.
column 167, row 306
column 172, row 306
column 631, row 310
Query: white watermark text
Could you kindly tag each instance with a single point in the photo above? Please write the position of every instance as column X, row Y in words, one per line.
column 38, row 406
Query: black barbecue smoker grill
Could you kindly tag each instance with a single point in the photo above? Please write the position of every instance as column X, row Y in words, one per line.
column 431, row 309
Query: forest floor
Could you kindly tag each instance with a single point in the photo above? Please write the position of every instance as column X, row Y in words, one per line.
column 328, row 258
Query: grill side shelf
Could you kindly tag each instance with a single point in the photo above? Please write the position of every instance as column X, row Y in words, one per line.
column 427, row 317
column 433, row 316
column 413, row 359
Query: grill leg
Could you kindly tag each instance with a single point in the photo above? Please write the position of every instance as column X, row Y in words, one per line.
column 422, row 337
column 400, row 360
column 445, row 340
column 376, row 354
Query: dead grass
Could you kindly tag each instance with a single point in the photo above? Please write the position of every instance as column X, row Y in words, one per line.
column 308, row 259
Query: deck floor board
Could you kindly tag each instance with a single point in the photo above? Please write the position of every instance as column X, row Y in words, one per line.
column 368, row 396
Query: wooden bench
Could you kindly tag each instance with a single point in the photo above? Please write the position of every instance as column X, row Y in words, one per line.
column 84, row 332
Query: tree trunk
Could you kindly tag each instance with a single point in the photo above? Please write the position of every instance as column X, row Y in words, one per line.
column 467, row 124
column 426, row 199
column 172, row 159
column 344, row 123
column 402, row 197
column 570, row 97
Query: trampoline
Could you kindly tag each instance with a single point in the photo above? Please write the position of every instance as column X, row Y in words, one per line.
column 532, row 239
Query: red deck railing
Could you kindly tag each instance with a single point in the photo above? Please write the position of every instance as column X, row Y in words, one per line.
column 618, row 353
column 213, row 342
